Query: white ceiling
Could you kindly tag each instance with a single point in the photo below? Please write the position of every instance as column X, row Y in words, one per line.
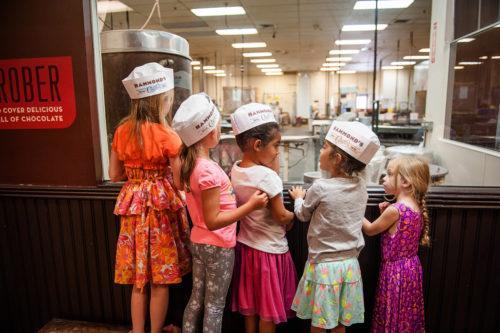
column 298, row 33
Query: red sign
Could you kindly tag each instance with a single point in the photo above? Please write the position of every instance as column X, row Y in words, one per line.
column 36, row 93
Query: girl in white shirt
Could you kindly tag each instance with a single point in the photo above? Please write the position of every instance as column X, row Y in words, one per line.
column 264, row 279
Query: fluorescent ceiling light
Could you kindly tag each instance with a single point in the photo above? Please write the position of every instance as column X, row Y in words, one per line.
column 248, row 45
column 257, row 54
column 497, row 26
column 426, row 50
column 470, row 63
column 220, row 74
column 269, row 70
column 329, row 69
column 403, row 63
column 352, row 41
column 218, row 11
column 208, row 67
column 334, row 64
column 459, row 67
column 195, row 63
column 346, row 72
column 416, row 57
column 363, row 27
column 383, row 4
column 268, row 66
column 275, row 73
column 262, row 61
column 196, row 68
column 231, row 32
column 483, row 57
column 339, row 59
column 334, row 52
column 495, row 57
column 465, row 40
column 112, row 7
column 392, row 67
column 214, row 71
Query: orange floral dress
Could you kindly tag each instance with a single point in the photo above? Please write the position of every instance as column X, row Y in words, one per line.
column 154, row 232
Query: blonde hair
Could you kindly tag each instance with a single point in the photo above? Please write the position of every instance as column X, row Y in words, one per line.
column 148, row 109
column 416, row 172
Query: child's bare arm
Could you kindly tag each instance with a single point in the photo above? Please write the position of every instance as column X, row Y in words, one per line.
column 386, row 220
column 175, row 164
column 278, row 210
column 215, row 219
column 116, row 170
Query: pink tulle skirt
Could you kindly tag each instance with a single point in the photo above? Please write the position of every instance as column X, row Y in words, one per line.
column 264, row 284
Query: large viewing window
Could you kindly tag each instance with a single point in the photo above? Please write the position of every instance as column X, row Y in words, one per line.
column 475, row 80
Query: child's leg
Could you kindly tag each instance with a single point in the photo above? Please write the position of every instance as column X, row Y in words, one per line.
column 339, row 329
column 219, row 273
column 138, row 306
column 250, row 324
column 315, row 329
column 266, row 326
column 193, row 309
column 158, row 306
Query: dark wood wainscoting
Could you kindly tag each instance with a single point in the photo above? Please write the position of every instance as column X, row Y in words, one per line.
column 58, row 245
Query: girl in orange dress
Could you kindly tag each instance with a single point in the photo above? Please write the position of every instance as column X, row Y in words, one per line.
column 154, row 233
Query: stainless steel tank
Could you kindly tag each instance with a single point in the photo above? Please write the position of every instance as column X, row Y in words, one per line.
column 123, row 50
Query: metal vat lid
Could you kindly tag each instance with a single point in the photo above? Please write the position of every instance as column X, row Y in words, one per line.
column 135, row 40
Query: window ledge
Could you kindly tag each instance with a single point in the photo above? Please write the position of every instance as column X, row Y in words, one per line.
column 471, row 147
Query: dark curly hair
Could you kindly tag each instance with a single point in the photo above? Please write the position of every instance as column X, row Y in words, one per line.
column 264, row 133
column 348, row 165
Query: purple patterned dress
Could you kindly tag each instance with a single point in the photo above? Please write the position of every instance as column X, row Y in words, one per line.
column 399, row 301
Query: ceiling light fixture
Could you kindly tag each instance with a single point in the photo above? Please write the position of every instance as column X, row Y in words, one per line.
column 346, row 72
column 382, row 4
column 215, row 71
column 403, row 63
column 363, row 27
column 208, row 67
column 112, row 7
column 195, row 63
column 334, row 64
column 470, row 63
column 329, row 69
column 392, row 67
column 339, row 59
column 262, row 61
column 416, row 57
column 248, row 45
column 234, row 32
column 257, row 54
column 196, row 68
column 459, row 67
column 274, row 73
column 465, row 40
column 220, row 74
column 425, row 50
column 269, row 70
column 268, row 66
column 352, row 41
column 218, row 11
column 334, row 52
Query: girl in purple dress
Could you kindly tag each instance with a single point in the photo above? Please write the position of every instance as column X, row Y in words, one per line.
column 399, row 301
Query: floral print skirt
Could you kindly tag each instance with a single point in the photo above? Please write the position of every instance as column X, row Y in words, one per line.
column 153, row 247
column 330, row 293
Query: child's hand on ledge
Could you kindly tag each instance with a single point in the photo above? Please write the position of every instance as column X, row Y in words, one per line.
column 297, row 192
column 383, row 205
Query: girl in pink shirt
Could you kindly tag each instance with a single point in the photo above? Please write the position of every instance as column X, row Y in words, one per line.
column 212, row 206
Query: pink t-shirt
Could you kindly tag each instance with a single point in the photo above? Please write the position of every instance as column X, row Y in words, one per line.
column 206, row 175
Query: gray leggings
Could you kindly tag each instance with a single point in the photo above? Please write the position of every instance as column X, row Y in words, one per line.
column 212, row 272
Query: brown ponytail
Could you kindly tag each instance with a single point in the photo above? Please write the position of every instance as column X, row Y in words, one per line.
column 188, row 160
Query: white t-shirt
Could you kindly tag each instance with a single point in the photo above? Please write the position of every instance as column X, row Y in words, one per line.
column 258, row 229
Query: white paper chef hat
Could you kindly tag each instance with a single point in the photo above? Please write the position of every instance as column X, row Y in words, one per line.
column 251, row 115
column 354, row 138
column 149, row 80
column 195, row 118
